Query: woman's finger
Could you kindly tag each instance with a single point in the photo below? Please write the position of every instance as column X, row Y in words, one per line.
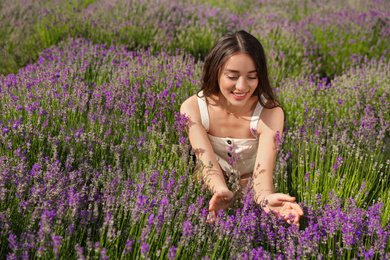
column 212, row 203
column 297, row 208
column 214, row 217
column 284, row 197
column 208, row 219
column 293, row 214
column 286, row 216
column 211, row 218
column 297, row 219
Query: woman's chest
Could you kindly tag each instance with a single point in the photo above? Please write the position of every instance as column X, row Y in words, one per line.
column 226, row 125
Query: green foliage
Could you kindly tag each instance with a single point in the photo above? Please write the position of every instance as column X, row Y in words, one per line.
column 333, row 85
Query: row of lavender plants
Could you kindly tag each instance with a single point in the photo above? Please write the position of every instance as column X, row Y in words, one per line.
column 302, row 37
column 101, row 170
column 94, row 155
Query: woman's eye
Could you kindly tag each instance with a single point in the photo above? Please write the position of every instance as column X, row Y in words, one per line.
column 236, row 77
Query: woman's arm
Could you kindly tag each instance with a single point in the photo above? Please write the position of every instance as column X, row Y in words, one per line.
column 270, row 124
column 212, row 173
column 270, row 127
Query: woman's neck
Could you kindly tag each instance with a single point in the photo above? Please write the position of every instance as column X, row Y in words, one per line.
column 233, row 110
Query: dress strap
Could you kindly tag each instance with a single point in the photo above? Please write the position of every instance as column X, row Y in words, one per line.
column 204, row 113
column 256, row 117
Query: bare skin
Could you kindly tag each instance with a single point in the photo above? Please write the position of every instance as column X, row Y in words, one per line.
column 237, row 81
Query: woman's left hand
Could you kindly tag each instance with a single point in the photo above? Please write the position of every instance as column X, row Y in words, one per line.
column 284, row 205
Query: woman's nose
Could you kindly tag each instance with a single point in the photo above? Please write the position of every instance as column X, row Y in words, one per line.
column 241, row 84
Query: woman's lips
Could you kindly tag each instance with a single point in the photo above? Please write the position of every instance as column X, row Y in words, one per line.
column 239, row 96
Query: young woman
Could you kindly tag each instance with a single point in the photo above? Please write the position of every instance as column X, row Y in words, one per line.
column 234, row 124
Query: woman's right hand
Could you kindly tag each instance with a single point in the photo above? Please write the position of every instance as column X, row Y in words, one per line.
column 220, row 201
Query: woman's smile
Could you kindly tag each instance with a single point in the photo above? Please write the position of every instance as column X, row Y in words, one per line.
column 239, row 96
column 237, row 81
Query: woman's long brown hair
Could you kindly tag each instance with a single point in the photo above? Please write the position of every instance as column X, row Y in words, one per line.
column 224, row 48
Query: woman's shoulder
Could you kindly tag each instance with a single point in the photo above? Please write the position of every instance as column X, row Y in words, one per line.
column 271, row 119
column 190, row 107
column 189, row 104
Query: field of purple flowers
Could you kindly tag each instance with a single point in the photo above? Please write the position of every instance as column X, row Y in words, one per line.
column 94, row 154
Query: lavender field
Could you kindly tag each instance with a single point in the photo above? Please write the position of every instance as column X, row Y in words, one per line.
column 94, row 157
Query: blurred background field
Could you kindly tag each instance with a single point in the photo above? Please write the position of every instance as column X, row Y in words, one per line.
column 94, row 154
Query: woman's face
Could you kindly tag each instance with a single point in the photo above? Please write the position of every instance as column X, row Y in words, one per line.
column 238, row 80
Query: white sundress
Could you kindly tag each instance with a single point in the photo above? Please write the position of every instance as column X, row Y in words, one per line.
column 234, row 155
